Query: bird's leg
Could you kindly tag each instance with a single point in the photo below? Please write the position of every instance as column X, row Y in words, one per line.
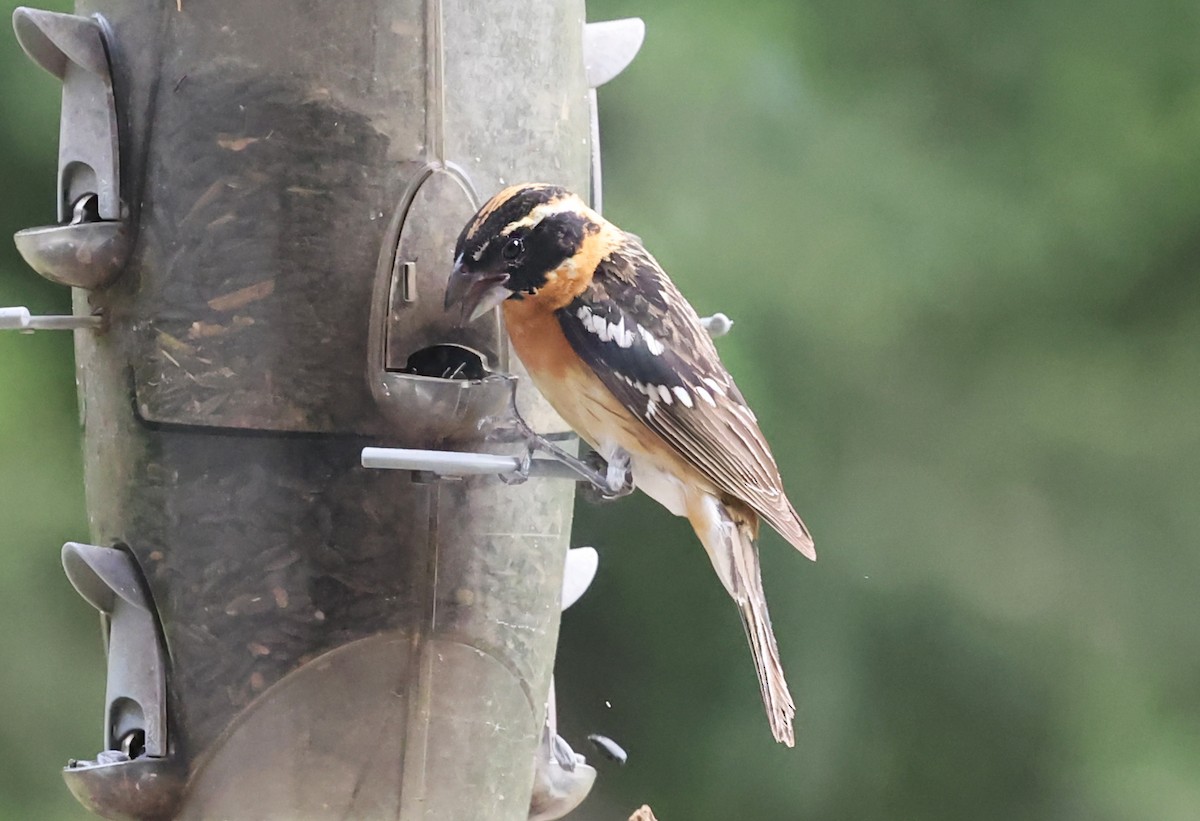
column 515, row 428
column 510, row 426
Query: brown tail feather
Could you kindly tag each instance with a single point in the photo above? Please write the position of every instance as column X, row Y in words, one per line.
column 752, row 603
column 728, row 536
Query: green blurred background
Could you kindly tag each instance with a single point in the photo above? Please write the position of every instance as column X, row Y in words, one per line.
column 962, row 245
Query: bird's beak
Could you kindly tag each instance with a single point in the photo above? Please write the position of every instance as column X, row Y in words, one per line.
column 476, row 292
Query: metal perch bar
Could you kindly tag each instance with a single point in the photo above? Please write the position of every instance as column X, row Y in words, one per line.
column 460, row 463
column 717, row 325
column 19, row 319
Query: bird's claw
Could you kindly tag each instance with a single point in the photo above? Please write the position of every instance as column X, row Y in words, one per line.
column 605, row 481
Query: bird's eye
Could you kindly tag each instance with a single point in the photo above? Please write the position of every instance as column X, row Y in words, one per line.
column 512, row 249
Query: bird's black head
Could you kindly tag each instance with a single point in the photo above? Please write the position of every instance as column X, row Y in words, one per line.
column 515, row 243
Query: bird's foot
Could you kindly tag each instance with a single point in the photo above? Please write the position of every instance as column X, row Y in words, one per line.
column 619, row 475
column 618, row 479
column 608, row 480
column 521, row 474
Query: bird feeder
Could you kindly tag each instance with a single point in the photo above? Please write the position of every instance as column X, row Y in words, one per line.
column 257, row 204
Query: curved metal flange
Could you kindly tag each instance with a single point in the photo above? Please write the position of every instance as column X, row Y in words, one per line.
column 84, row 255
column 609, row 47
column 102, row 574
column 144, row 789
column 54, row 40
column 580, row 570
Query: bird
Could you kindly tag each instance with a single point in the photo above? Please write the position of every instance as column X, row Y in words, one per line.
column 608, row 339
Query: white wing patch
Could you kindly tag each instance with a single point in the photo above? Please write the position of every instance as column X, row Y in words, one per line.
column 652, row 344
column 620, row 335
column 661, row 393
column 597, row 325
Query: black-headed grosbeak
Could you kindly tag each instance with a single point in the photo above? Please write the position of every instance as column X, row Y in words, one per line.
column 616, row 349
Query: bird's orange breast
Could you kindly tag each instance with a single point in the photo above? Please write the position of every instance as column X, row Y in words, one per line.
column 539, row 341
column 560, row 375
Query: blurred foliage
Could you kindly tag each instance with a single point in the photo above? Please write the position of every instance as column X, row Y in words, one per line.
column 961, row 242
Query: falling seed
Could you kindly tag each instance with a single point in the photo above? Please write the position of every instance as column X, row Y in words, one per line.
column 236, row 144
column 608, row 704
column 611, row 749
column 240, row 298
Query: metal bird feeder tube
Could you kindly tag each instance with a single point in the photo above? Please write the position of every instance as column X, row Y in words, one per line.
column 262, row 200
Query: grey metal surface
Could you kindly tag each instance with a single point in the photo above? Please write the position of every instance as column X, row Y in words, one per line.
column 325, row 143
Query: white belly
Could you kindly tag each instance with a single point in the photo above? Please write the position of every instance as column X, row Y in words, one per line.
column 659, row 485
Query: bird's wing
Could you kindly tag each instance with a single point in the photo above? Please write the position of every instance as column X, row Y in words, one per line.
column 640, row 336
